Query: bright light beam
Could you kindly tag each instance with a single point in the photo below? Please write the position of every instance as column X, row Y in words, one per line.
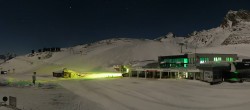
column 103, row 75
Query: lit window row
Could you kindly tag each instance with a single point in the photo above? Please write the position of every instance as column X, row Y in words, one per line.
column 217, row 59
column 175, row 60
column 229, row 59
column 203, row 60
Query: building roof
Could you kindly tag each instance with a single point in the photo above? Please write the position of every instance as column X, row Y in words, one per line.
column 174, row 56
column 212, row 54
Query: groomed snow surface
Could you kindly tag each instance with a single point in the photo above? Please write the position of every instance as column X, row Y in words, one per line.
column 172, row 94
column 133, row 94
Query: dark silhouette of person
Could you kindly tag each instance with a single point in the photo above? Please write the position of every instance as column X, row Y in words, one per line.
column 34, row 78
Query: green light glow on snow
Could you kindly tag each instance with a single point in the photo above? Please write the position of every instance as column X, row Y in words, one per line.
column 236, row 72
column 234, row 79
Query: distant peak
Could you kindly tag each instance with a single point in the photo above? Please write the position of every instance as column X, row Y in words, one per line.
column 169, row 35
column 232, row 18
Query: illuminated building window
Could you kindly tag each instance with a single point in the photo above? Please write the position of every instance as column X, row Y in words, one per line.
column 203, row 60
column 185, row 60
column 229, row 59
column 217, row 58
column 175, row 62
column 206, row 59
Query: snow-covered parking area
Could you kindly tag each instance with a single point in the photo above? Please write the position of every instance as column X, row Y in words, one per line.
column 132, row 94
column 165, row 94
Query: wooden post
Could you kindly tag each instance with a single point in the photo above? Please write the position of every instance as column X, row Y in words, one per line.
column 178, row 74
column 130, row 74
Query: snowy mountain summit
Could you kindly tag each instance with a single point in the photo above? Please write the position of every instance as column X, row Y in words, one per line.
column 171, row 38
column 235, row 29
column 233, row 18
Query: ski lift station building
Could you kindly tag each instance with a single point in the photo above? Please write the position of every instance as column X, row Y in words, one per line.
column 202, row 66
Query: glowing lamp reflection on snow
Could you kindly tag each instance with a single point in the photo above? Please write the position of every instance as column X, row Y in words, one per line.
column 103, row 75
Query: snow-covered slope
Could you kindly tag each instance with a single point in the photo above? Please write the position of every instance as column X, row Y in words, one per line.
column 104, row 54
column 235, row 29
column 98, row 56
column 1, row 61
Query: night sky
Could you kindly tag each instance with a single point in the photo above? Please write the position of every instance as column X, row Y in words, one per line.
column 34, row 24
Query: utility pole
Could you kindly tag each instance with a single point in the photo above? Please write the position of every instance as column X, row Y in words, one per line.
column 181, row 44
column 195, row 48
column 186, row 42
